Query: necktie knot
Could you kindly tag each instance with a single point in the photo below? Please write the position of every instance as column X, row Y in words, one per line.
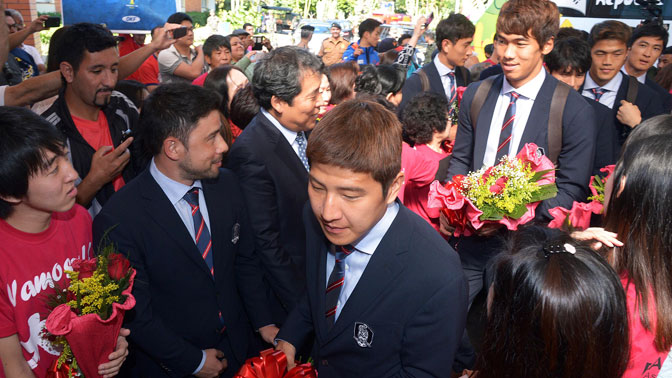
column 598, row 92
column 514, row 96
column 192, row 197
column 342, row 251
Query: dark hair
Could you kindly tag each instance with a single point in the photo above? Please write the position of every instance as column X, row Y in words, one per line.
column 368, row 25
column 343, row 140
column 557, row 315
column 25, row 139
column 664, row 77
column 216, row 80
column 280, row 73
column 667, row 50
column 174, row 110
column 489, row 48
column 214, row 43
column 83, row 37
column 425, row 114
column 639, row 212
column 306, row 33
column 658, row 125
column 388, row 57
column 454, row 28
column 178, row 18
column 245, row 25
column 380, row 80
column 538, row 19
column 131, row 89
column 566, row 32
column 649, row 30
column 53, row 60
column 342, row 81
column 569, row 54
column 402, row 38
column 610, row 29
column 244, row 107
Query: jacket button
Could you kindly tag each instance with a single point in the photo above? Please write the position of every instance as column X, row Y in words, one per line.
column 325, row 363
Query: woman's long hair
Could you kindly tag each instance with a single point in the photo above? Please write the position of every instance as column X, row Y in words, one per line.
column 552, row 313
column 639, row 210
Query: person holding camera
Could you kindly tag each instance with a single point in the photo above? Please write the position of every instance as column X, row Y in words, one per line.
column 180, row 63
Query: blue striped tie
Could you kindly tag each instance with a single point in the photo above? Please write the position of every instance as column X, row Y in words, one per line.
column 201, row 232
column 336, row 281
column 507, row 126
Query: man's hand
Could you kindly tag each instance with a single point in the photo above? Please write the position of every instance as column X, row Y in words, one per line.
column 488, row 229
column 444, row 226
column 117, row 358
column 268, row 333
column 629, row 114
column 37, row 24
column 163, row 38
column 358, row 52
column 214, row 365
column 600, row 237
column 290, row 352
column 108, row 162
column 267, row 43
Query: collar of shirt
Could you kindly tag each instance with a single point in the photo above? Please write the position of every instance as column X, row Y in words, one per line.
column 641, row 78
column 530, row 89
column 370, row 241
column 192, row 52
column 443, row 69
column 612, row 85
column 174, row 190
column 287, row 133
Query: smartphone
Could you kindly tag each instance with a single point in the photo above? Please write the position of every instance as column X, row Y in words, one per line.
column 258, row 43
column 126, row 134
column 52, row 22
column 179, row 32
column 430, row 18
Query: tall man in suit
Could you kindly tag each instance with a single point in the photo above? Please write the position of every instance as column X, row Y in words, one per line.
column 607, row 84
column 385, row 295
column 644, row 48
column 515, row 112
column 446, row 72
column 185, row 229
column 269, row 160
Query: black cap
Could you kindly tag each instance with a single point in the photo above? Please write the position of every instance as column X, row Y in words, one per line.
column 239, row 32
column 336, row 25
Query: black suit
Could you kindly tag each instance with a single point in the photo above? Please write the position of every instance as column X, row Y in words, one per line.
column 275, row 188
column 413, row 86
column 177, row 298
column 663, row 94
column 412, row 296
column 606, row 137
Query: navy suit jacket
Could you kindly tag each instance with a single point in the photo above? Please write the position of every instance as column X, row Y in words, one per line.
column 412, row 296
column 607, row 150
column 578, row 140
column 275, row 189
column 177, row 298
column 413, row 86
column 663, row 94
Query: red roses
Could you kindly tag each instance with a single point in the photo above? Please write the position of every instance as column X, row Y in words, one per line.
column 118, row 266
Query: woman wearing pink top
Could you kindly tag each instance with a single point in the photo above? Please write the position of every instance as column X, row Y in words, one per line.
column 428, row 138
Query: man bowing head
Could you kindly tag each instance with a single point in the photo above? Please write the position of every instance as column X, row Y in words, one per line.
column 385, row 293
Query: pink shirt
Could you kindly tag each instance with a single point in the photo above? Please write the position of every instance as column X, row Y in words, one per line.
column 200, row 80
column 645, row 361
column 419, row 165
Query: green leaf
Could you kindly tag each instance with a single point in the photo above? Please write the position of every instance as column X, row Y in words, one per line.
column 539, row 175
column 490, row 213
column 518, row 211
column 545, row 192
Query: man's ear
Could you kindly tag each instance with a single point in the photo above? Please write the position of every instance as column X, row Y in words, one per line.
column 67, row 71
column 445, row 44
column 11, row 200
column 393, row 190
column 278, row 104
column 548, row 46
column 173, row 148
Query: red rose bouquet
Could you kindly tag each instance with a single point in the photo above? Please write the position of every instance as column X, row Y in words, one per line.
column 455, row 106
column 578, row 218
column 272, row 364
column 507, row 193
column 87, row 315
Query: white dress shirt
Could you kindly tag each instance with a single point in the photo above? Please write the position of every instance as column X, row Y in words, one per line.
column 528, row 93
column 641, row 78
column 356, row 261
column 609, row 97
column 287, row 133
column 445, row 79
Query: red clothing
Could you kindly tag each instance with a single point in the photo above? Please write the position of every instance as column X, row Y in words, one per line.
column 200, row 80
column 235, row 131
column 645, row 361
column 97, row 134
column 419, row 165
column 128, row 45
column 29, row 262
column 147, row 73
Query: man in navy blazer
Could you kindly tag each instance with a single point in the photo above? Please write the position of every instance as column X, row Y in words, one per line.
column 446, row 71
column 385, row 296
column 269, row 160
column 185, row 229
column 481, row 142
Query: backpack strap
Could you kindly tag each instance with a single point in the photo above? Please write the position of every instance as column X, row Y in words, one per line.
column 424, row 80
column 555, row 121
column 479, row 99
column 632, row 90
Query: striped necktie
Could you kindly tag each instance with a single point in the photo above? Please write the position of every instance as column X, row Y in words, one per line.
column 301, row 141
column 507, row 126
column 453, row 90
column 201, row 232
column 598, row 92
column 336, row 281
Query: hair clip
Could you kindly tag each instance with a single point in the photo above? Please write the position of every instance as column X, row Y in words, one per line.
column 557, row 247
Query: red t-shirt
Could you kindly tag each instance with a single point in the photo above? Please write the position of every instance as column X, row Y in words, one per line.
column 645, row 360
column 200, row 80
column 419, row 164
column 97, row 134
column 128, row 45
column 29, row 262
column 147, row 73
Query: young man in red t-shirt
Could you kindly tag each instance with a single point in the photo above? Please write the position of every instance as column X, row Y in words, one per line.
column 42, row 231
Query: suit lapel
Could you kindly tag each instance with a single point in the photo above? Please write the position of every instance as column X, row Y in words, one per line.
column 164, row 214
column 220, row 215
column 537, row 123
column 484, row 121
column 284, row 150
column 435, row 83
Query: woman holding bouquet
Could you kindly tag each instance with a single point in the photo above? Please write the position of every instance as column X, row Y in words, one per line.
column 428, row 137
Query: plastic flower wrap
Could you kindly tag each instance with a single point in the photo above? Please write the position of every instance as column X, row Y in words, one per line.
column 87, row 315
column 273, row 364
column 507, row 193
column 455, row 106
column 578, row 218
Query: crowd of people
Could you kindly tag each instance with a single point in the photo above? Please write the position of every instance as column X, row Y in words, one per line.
column 272, row 197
